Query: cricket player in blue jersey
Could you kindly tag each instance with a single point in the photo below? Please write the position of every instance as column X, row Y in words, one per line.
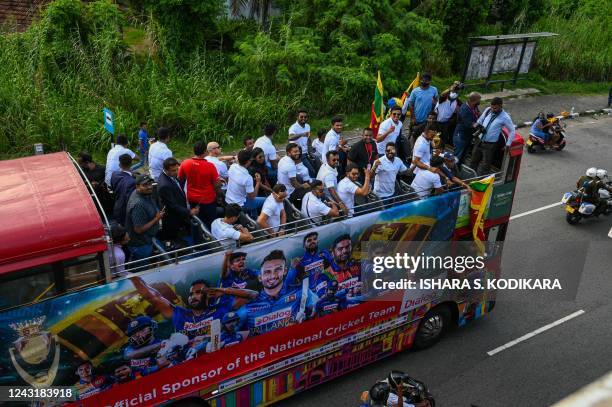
column 332, row 301
column 235, row 273
column 278, row 304
column 311, row 266
column 229, row 335
column 141, row 350
column 204, row 305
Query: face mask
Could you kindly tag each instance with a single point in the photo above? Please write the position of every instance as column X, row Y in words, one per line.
column 453, row 96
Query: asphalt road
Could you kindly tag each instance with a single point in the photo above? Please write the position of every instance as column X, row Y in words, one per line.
column 549, row 366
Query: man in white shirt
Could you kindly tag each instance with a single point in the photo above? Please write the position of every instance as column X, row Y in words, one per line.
column 287, row 169
column 221, row 162
column 386, row 169
column 313, row 208
column 299, row 133
column 445, row 109
column 348, row 189
column 317, row 145
column 422, row 150
column 158, row 152
column 112, row 158
column 265, row 143
column 226, row 229
column 240, row 189
column 428, row 180
column 333, row 139
column 389, row 130
column 328, row 175
column 273, row 217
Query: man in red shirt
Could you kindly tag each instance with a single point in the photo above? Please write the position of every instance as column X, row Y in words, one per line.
column 202, row 183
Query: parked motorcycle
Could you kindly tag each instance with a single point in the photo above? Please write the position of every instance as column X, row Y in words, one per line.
column 556, row 140
column 576, row 208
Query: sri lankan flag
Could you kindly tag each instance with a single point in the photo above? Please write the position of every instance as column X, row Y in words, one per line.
column 481, row 193
column 415, row 83
column 378, row 107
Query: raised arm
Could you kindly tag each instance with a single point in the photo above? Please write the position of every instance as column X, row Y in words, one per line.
column 154, row 297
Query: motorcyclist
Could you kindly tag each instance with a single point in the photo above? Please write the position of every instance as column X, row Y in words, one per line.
column 589, row 175
column 377, row 396
column 542, row 125
column 592, row 186
column 403, row 385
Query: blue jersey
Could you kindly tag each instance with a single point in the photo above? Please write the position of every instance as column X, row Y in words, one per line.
column 144, row 365
column 143, row 136
column 313, row 266
column 230, row 338
column 266, row 313
column 186, row 322
column 327, row 306
column 234, row 281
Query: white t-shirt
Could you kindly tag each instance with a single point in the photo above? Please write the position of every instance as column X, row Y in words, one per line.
column 392, row 137
column 424, row 182
column 445, row 110
column 332, row 140
column 386, row 174
column 422, row 149
column 221, row 166
column 268, row 148
column 286, row 170
column 346, row 192
column 317, row 145
column 239, row 185
column 158, row 152
column 112, row 160
column 221, row 230
column 273, row 209
column 297, row 130
column 302, row 172
column 329, row 177
column 312, row 207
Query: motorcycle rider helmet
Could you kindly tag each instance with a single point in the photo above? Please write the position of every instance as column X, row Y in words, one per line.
column 379, row 393
column 395, row 378
column 550, row 115
column 601, row 173
column 591, row 172
column 138, row 324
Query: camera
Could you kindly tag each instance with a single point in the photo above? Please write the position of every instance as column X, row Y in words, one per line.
column 479, row 130
column 457, row 86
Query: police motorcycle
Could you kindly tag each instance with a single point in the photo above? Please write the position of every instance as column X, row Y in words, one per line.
column 556, row 140
column 386, row 393
column 576, row 208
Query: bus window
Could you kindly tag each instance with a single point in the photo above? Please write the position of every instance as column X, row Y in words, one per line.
column 82, row 271
column 28, row 286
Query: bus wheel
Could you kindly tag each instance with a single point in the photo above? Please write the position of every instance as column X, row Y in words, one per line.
column 431, row 328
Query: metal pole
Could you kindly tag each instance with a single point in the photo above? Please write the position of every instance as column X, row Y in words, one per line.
column 520, row 63
column 492, row 63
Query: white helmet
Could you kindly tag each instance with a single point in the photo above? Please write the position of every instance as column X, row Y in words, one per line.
column 601, row 173
column 591, row 172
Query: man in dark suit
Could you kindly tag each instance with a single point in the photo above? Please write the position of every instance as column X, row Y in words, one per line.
column 177, row 221
column 363, row 153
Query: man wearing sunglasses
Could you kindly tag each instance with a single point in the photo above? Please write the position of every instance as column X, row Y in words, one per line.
column 389, row 130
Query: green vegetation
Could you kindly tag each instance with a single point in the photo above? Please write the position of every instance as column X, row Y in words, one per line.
column 183, row 64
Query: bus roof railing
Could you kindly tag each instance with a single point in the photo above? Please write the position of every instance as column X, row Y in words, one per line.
column 215, row 246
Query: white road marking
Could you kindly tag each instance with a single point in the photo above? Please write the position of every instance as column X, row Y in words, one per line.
column 536, row 332
column 520, row 215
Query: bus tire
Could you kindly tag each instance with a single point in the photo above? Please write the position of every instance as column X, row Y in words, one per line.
column 431, row 327
column 190, row 402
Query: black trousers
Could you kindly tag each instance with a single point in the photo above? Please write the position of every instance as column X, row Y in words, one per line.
column 482, row 157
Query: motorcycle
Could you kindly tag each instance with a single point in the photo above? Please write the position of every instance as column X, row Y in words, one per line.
column 576, row 208
column 555, row 142
column 413, row 391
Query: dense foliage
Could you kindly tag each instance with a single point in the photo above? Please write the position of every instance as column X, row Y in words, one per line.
column 208, row 76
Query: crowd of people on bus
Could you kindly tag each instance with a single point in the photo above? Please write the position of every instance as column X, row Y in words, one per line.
column 319, row 176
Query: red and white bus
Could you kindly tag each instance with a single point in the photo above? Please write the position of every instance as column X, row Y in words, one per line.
column 202, row 326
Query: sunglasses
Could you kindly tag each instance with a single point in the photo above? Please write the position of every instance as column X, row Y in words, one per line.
column 396, row 114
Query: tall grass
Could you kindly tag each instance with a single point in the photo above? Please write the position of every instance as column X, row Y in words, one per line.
column 581, row 51
column 50, row 101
